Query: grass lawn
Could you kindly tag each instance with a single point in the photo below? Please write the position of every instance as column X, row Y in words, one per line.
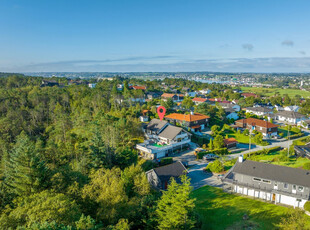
column 271, row 91
column 242, row 138
column 293, row 162
column 220, row 210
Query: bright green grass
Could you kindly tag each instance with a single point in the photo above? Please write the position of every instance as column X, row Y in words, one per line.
column 220, row 210
column 271, row 91
column 242, row 138
column 158, row 146
column 293, row 162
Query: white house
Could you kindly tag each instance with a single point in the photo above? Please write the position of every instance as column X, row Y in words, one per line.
column 205, row 91
column 293, row 108
column 191, row 94
column 269, row 182
column 92, row 85
column 163, row 139
column 259, row 111
column 290, row 117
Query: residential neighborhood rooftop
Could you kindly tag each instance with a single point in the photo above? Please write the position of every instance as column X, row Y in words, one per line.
column 257, row 122
column 187, row 117
column 273, row 172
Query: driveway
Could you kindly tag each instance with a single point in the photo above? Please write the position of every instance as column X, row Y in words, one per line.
column 200, row 178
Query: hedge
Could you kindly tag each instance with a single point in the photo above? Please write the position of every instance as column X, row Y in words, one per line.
column 264, row 151
column 165, row 161
column 294, row 136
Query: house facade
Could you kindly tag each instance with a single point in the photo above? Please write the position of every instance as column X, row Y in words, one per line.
column 162, row 139
column 174, row 97
column 259, row 111
column 273, row 183
column 266, row 128
column 195, row 121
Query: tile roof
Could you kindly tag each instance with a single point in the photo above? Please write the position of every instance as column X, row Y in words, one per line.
column 198, row 99
column 187, row 117
column 230, row 141
column 139, row 87
column 273, row 172
column 257, row 122
column 166, row 95
column 248, row 95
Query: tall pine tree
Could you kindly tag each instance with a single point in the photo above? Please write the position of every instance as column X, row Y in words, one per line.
column 24, row 173
column 175, row 208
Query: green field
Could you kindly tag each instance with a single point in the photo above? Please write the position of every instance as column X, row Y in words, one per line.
column 220, row 210
column 271, row 91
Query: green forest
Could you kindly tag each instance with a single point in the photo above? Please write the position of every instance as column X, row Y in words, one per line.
column 68, row 160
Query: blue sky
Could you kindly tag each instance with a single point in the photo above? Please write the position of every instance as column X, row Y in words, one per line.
column 149, row 35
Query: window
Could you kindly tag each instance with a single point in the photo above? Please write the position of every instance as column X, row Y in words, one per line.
column 267, row 181
column 300, row 189
column 256, row 179
column 261, row 128
column 285, row 185
column 294, row 187
column 275, row 185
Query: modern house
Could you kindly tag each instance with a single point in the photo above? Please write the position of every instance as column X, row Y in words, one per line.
column 273, row 183
column 302, row 150
column 195, row 121
column 162, row 139
column 293, row 108
column 235, row 107
column 290, row 117
column 174, row 97
column 266, row 128
column 198, row 100
column 231, row 113
column 259, row 111
column 159, row 177
column 153, row 95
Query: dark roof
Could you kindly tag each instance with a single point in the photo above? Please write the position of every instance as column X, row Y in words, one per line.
column 303, row 149
column 273, row 172
column 175, row 169
column 170, row 132
column 290, row 114
column 260, row 109
column 156, row 125
column 229, row 110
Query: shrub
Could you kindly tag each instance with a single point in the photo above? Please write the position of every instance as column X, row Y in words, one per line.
column 307, row 206
column 306, row 166
column 294, row 136
column 262, row 152
column 165, row 161
column 215, row 167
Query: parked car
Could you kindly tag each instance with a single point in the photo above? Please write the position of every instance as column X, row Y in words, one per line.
column 210, row 156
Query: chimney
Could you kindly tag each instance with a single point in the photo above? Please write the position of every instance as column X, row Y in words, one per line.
column 240, row 159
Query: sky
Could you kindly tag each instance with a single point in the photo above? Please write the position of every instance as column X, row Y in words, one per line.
column 154, row 35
